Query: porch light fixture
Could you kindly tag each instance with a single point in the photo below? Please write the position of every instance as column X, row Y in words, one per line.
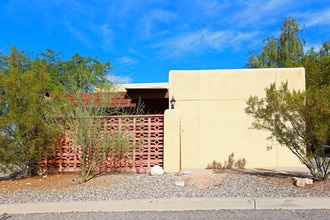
column 172, row 102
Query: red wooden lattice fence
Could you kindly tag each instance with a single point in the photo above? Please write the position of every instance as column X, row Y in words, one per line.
column 145, row 129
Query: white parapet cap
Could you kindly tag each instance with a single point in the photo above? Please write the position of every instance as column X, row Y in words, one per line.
column 146, row 86
column 125, row 87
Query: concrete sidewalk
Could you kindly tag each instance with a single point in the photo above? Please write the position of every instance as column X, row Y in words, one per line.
column 171, row 204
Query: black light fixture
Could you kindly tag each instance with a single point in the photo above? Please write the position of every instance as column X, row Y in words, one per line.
column 172, row 102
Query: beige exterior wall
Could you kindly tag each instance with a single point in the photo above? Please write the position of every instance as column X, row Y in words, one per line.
column 172, row 128
column 211, row 106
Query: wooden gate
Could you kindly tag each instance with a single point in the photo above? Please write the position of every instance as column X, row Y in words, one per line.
column 146, row 131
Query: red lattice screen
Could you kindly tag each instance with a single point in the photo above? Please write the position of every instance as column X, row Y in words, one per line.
column 146, row 131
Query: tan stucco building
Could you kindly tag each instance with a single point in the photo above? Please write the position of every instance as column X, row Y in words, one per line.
column 209, row 123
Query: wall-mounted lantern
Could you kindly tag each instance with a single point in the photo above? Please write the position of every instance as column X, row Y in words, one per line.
column 172, row 102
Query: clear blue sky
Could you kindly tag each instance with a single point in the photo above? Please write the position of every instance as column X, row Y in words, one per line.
column 144, row 39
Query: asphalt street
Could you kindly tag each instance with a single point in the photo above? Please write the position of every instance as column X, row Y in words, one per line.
column 278, row 214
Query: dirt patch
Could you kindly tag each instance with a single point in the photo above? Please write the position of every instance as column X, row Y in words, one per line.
column 204, row 181
column 46, row 182
column 58, row 181
column 201, row 179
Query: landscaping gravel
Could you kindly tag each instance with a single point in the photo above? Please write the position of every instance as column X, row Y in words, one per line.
column 143, row 186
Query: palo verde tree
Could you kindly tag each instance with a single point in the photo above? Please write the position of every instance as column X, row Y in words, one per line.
column 85, row 122
column 298, row 120
column 83, row 114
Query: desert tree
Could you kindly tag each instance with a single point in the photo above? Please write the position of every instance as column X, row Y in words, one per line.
column 32, row 90
column 25, row 133
column 299, row 120
column 78, row 74
column 85, row 123
column 295, row 125
column 286, row 50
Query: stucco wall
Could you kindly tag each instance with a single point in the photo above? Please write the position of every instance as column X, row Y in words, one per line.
column 213, row 122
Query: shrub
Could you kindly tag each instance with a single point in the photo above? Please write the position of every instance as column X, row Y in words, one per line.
column 229, row 164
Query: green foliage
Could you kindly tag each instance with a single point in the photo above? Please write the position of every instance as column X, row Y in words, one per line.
column 84, row 122
column 281, row 113
column 79, row 74
column 26, row 134
column 284, row 51
column 298, row 120
column 29, row 123
column 293, row 124
column 229, row 164
column 317, row 66
column 302, row 126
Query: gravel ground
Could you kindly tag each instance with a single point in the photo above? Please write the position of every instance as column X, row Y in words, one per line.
column 67, row 187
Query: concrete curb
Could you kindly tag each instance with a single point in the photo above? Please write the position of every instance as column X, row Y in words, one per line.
column 171, row 204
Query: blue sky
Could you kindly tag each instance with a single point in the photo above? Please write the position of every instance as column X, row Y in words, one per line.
column 145, row 39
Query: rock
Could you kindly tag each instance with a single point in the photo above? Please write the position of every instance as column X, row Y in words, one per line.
column 140, row 170
column 298, row 182
column 186, row 172
column 308, row 181
column 301, row 182
column 156, row 171
column 180, row 183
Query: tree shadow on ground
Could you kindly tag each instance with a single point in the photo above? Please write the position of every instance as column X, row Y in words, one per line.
column 267, row 173
column 12, row 176
column 97, row 174
column 5, row 216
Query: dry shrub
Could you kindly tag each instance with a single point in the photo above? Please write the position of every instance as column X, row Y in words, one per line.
column 231, row 163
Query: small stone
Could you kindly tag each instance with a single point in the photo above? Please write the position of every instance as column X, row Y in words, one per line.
column 298, row 182
column 308, row 181
column 44, row 176
column 156, row 171
column 301, row 182
column 140, row 170
column 180, row 183
column 186, row 172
